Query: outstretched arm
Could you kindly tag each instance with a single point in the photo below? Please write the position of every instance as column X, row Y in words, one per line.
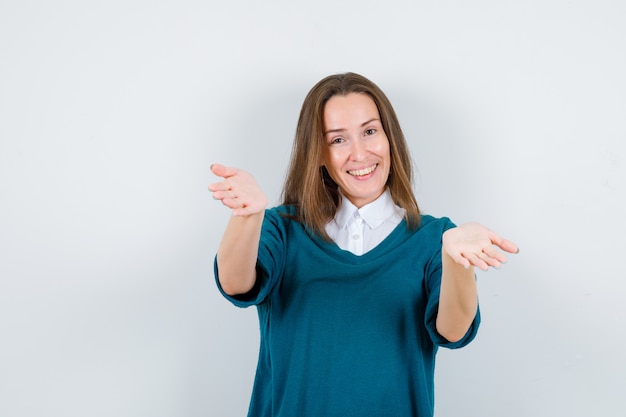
column 465, row 247
column 238, row 249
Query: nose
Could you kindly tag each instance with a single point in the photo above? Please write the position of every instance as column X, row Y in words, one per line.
column 358, row 150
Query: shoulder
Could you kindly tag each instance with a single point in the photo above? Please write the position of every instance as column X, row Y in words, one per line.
column 280, row 217
column 432, row 221
column 427, row 234
column 435, row 226
column 281, row 213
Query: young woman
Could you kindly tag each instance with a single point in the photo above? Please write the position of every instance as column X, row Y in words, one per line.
column 355, row 289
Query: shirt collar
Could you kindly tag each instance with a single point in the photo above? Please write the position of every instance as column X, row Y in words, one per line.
column 374, row 214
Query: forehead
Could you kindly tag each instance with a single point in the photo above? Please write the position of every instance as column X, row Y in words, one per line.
column 352, row 107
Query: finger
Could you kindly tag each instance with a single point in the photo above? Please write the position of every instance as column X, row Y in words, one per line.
column 223, row 171
column 478, row 262
column 221, row 195
column 220, row 186
column 232, row 203
column 493, row 257
column 239, row 208
column 458, row 258
column 243, row 211
column 506, row 245
column 227, row 191
column 489, row 261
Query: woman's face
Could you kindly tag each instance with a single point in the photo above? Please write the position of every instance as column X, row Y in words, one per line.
column 356, row 148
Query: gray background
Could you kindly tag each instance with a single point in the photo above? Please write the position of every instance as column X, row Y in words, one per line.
column 112, row 112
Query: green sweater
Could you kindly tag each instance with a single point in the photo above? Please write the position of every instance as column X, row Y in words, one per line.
column 345, row 335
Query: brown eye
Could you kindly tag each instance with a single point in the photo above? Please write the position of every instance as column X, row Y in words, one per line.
column 370, row 131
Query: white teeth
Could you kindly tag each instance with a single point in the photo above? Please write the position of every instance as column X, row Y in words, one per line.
column 361, row 172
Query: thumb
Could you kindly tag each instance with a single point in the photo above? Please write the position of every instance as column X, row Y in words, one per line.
column 504, row 244
column 509, row 246
column 223, row 171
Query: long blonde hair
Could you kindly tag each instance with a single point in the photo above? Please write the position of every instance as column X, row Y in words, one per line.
column 309, row 188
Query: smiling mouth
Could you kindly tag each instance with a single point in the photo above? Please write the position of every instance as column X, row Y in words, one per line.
column 363, row 172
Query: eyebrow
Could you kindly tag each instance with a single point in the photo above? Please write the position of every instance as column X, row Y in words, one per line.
column 343, row 130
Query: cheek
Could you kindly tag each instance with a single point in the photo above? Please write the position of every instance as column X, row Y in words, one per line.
column 333, row 160
column 382, row 149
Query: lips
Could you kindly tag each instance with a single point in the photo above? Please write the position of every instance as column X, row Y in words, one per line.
column 363, row 172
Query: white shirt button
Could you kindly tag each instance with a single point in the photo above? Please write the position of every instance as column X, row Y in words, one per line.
column 355, row 237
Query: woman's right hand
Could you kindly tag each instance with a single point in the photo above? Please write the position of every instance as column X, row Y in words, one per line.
column 238, row 191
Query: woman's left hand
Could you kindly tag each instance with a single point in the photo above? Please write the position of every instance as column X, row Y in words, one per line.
column 472, row 244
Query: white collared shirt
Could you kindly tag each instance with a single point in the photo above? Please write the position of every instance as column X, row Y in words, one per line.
column 361, row 230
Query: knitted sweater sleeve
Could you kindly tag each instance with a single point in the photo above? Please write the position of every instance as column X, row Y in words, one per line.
column 433, row 286
column 270, row 261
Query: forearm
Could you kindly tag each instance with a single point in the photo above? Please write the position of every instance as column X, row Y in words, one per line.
column 458, row 299
column 237, row 253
